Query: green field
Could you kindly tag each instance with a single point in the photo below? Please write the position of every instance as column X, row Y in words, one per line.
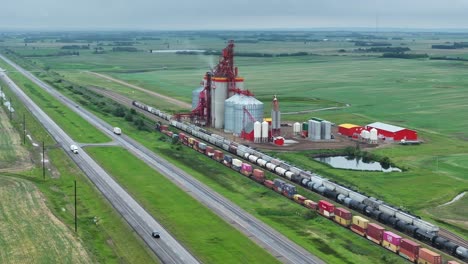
column 12, row 154
column 206, row 235
column 39, row 237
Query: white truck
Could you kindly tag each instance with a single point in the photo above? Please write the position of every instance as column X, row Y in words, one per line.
column 117, row 131
column 74, row 149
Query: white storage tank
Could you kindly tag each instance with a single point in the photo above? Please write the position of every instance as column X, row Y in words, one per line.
column 264, row 131
column 297, row 128
column 325, row 130
column 241, row 119
column 196, row 96
column 219, row 93
column 373, row 135
column 257, row 131
column 365, row 135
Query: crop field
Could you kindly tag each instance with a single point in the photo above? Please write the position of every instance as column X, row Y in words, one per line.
column 200, row 230
column 39, row 237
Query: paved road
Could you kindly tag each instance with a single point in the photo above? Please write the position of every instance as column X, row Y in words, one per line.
column 166, row 248
column 278, row 245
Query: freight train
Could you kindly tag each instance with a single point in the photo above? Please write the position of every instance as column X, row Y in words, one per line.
column 369, row 206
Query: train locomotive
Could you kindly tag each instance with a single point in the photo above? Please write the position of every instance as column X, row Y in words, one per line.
column 369, row 206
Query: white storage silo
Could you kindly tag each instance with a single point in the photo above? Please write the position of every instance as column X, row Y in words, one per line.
column 325, row 130
column 373, row 136
column 265, row 131
column 196, row 96
column 219, row 93
column 296, row 128
column 257, row 131
column 365, row 135
column 241, row 119
column 314, row 130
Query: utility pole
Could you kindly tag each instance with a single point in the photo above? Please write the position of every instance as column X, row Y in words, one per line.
column 43, row 161
column 24, row 129
column 10, row 108
column 76, row 223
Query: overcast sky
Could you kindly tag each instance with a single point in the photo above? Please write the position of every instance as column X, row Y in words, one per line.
column 235, row 14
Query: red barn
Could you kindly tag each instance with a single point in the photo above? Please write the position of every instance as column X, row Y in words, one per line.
column 349, row 129
column 391, row 132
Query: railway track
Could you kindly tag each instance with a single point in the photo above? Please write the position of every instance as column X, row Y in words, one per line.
column 453, row 237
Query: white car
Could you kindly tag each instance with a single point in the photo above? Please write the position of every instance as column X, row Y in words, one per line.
column 117, row 131
column 74, row 149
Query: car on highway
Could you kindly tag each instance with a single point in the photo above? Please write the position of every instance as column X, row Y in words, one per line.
column 155, row 234
column 117, row 131
column 74, row 149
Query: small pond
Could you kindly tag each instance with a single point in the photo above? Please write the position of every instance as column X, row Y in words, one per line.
column 355, row 163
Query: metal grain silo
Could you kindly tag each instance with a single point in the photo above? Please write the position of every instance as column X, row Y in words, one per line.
column 257, row 131
column 296, row 128
column 229, row 113
column 196, row 96
column 241, row 119
column 314, row 130
column 373, row 136
column 219, row 93
column 325, row 130
column 265, row 131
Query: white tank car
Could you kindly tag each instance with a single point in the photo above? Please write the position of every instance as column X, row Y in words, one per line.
column 387, row 209
column 373, row 202
column 295, row 170
column 280, row 171
column 426, row 226
column 318, row 180
column 271, row 166
column 289, row 175
column 405, row 217
column 357, row 197
column 253, row 158
column 329, row 185
column 342, row 190
column 226, row 147
column 261, row 162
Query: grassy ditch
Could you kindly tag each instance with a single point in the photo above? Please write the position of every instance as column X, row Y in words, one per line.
column 205, row 234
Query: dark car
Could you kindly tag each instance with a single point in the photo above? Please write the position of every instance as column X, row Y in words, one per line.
column 155, row 234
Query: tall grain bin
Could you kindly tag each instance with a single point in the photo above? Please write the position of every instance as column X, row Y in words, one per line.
column 325, row 130
column 196, row 96
column 373, row 136
column 257, row 131
column 254, row 112
column 365, row 135
column 265, row 131
column 296, row 128
column 219, row 93
column 229, row 112
column 314, row 130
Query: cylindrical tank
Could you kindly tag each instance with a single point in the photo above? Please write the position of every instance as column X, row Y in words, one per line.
column 196, row 96
column 219, row 93
column 229, row 113
column 314, row 130
column 373, row 135
column 264, row 131
column 296, row 128
column 241, row 118
column 257, row 131
column 325, row 130
column 365, row 134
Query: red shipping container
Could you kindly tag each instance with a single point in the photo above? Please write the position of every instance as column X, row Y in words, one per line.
column 343, row 213
column 453, row 262
column 310, row 204
column 375, row 233
column 218, row 155
column 299, row 198
column 359, row 230
column 163, row 127
column 409, row 249
column 258, row 173
column 429, row 256
column 326, row 206
column 269, row 184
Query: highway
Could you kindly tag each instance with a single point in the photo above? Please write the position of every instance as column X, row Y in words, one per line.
column 166, row 248
column 278, row 245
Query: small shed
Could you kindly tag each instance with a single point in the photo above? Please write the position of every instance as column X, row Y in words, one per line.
column 350, row 130
column 391, row 132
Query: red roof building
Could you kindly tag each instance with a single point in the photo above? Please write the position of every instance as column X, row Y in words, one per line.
column 391, row 132
column 350, row 130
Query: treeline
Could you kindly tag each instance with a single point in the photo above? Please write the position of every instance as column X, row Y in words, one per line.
column 58, row 54
column 124, row 49
column 371, row 43
column 246, row 54
column 384, row 49
column 75, row 47
column 455, row 45
column 448, row 58
column 401, row 55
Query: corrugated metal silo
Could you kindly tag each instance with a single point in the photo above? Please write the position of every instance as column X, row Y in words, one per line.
column 196, row 96
column 229, row 113
column 314, row 130
column 255, row 108
column 296, row 128
column 325, row 131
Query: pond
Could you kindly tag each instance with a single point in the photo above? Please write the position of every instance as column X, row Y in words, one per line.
column 355, row 163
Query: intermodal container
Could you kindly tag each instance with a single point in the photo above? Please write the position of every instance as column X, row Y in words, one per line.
column 289, row 190
column 246, row 169
column 360, row 221
column 202, row 146
column 375, row 233
column 218, row 155
column 236, row 164
column 452, row 262
column 163, row 127
column 258, row 175
column 310, row 204
column 227, row 160
column 270, row 184
column 209, row 151
column 299, row 198
column 279, row 185
column 195, row 144
column 342, row 216
column 190, row 141
column 391, row 241
column 428, row 257
column 358, row 230
column 409, row 249
column 326, row 209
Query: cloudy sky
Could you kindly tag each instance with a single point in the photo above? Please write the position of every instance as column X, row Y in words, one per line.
column 235, row 14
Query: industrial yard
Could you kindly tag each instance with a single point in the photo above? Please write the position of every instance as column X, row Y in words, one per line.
column 293, row 108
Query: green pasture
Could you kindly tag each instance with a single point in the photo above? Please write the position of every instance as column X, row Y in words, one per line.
column 206, row 235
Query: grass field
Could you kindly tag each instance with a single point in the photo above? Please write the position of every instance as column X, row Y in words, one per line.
column 12, row 153
column 39, row 237
column 206, row 235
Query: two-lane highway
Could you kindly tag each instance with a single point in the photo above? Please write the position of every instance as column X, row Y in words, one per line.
column 166, row 248
column 278, row 245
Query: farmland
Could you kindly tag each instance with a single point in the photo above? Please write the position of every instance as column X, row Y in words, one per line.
column 427, row 95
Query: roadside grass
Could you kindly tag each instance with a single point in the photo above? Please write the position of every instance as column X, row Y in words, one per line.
column 39, row 237
column 111, row 240
column 78, row 128
column 12, row 153
column 205, row 234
